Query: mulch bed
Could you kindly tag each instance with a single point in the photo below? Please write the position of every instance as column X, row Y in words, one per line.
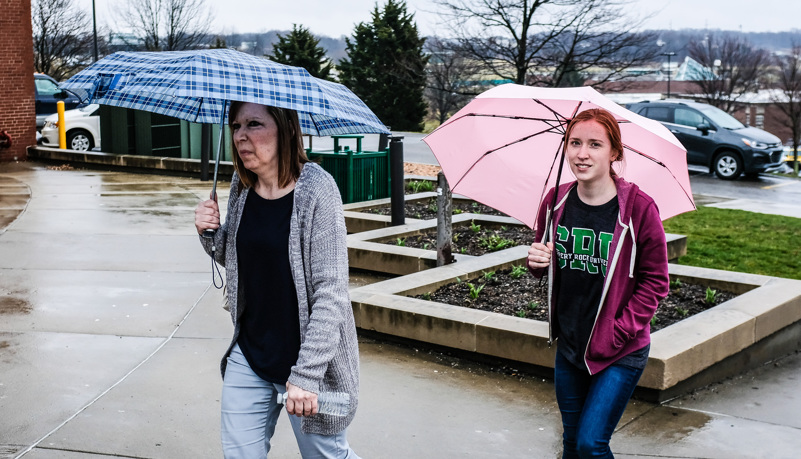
column 520, row 294
column 426, row 209
column 476, row 238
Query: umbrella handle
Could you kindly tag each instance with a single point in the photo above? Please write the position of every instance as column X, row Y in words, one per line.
column 209, row 233
column 219, row 148
column 549, row 220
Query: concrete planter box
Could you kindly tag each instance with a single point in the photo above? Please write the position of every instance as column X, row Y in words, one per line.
column 762, row 323
column 369, row 249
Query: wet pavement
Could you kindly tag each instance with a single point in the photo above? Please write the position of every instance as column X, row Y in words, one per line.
column 111, row 334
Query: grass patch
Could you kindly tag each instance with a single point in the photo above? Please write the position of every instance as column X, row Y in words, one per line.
column 737, row 240
column 429, row 126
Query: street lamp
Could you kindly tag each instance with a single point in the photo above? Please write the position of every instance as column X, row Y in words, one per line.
column 668, row 54
column 94, row 27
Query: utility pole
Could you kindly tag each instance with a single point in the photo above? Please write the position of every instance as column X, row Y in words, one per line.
column 94, row 27
column 668, row 54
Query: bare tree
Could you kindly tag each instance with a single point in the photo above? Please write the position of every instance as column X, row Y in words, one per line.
column 599, row 37
column 450, row 78
column 789, row 82
column 548, row 42
column 62, row 41
column 168, row 25
column 737, row 68
column 498, row 33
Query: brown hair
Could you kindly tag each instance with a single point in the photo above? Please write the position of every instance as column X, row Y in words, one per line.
column 609, row 123
column 291, row 154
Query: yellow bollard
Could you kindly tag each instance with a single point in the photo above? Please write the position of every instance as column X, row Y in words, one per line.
column 62, row 131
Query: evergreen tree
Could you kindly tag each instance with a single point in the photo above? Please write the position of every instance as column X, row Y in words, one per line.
column 386, row 67
column 219, row 43
column 301, row 49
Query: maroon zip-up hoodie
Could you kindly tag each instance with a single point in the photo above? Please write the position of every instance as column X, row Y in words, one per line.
column 636, row 278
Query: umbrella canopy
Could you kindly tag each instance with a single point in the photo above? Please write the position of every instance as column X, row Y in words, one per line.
column 195, row 85
column 504, row 149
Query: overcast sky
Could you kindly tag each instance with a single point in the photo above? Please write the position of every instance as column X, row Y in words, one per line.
column 335, row 18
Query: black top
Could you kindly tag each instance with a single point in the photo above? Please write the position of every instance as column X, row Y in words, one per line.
column 582, row 245
column 270, row 334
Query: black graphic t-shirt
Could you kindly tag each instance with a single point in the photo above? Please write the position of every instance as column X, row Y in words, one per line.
column 583, row 237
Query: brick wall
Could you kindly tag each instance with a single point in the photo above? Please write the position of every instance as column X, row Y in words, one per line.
column 17, row 109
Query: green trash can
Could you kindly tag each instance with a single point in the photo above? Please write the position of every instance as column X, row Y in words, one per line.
column 360, row 176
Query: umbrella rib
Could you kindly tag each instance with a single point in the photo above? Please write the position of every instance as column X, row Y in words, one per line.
column 522, row 139
column 557, row 155
column 559, row 122
column 314, row 123
column 510, row 117
column 645, row 156
column 557, row 115
column 651, row 158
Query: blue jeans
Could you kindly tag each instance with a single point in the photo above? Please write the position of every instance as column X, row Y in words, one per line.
column 591, row 405
column 250, row 411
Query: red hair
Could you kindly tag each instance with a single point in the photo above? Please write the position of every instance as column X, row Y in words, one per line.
column 608, row 122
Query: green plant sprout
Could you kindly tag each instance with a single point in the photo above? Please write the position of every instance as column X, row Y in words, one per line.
column 521, row 313
column 494, row 242
column 401, row 242
column 473, row 227
column 533, row 305
column 711, row 296
column 675, row 283
column 682, row 312
column 488, row 275
column 517, row 272
column 475, row 290
column 420, row 185
column 426, row 296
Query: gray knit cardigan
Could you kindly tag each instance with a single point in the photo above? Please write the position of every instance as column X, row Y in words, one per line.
column 318, row 257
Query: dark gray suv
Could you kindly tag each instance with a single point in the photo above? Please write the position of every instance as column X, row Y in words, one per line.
column 713, row 138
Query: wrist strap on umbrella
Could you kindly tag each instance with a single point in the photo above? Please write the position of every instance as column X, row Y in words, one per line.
column 215, row 270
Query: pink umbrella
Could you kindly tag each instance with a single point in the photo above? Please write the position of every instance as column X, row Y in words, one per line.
column 504, row 148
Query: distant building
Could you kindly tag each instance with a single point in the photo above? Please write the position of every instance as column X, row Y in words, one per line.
column 124, row 42
column 247, row 46
column 692, row 70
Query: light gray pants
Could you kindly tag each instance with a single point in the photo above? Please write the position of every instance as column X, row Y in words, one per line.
column 250, row 412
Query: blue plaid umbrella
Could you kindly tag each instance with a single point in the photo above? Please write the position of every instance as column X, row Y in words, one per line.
column 195, row 86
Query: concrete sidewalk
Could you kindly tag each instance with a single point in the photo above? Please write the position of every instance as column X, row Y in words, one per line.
column 111, row 334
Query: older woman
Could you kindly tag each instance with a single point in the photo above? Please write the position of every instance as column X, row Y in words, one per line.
column 284, row 249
